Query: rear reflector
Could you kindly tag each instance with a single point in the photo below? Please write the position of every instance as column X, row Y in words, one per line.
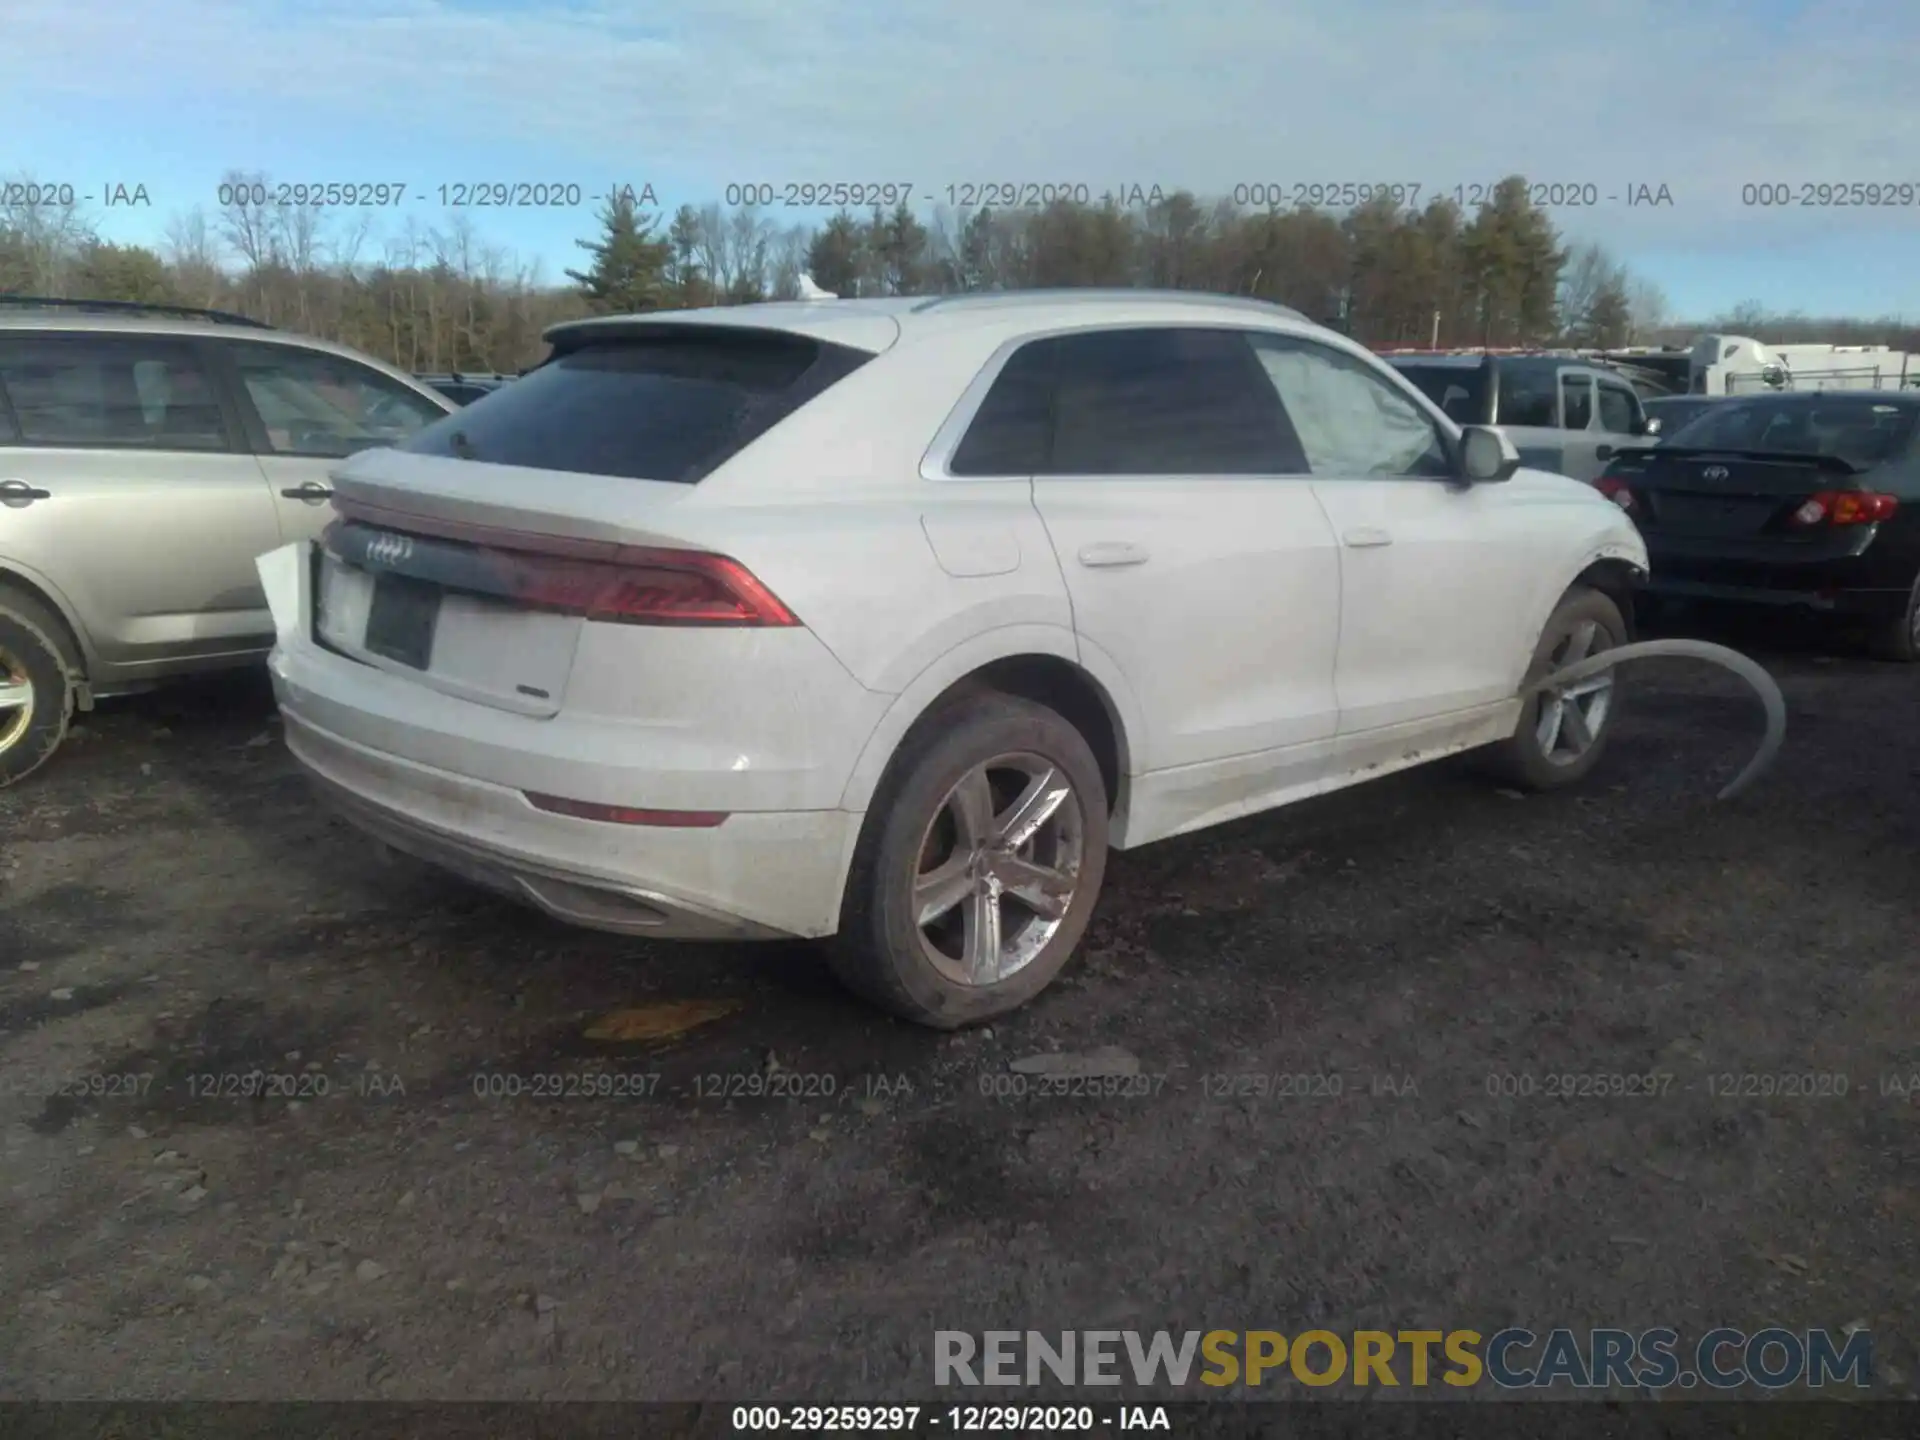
column 624, row 815
column 1845, row 507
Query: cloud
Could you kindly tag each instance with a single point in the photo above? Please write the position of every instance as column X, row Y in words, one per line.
column 1701, row 98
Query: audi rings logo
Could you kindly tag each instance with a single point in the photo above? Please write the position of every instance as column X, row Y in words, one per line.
column 389, row 549
column 1715, row 472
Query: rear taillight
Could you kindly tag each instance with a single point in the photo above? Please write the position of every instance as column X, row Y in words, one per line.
column 1845, row 507
column 642, row 587
column 1616, row 490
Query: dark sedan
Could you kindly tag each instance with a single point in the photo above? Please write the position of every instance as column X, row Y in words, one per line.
column 1805, row 500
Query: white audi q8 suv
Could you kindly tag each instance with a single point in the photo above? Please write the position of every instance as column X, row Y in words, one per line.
column 884, row 620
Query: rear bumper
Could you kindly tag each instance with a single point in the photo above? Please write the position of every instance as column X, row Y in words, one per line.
column 1846, row 585
column 1864, row 604
column 759, row 875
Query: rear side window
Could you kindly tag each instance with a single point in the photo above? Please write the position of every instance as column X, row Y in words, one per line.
column 1012, row 434
column 673, row 405
column 110, row 391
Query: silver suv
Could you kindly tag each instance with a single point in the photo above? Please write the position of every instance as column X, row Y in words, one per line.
column 1561, row 413
column 148, row 455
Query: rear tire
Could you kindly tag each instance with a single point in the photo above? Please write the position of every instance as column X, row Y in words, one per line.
column 1899, row 639
column 36, row 686
column 951, row 825
column 1553, row 748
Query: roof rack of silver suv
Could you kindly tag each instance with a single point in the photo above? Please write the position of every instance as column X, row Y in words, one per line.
column 1109, row 295
column 130, row 307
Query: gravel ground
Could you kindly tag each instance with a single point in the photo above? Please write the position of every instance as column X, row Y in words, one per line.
column 792, row 1195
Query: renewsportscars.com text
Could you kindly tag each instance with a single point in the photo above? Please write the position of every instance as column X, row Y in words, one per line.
column 1773, row 1358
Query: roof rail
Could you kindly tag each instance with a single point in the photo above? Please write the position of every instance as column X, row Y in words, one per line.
column 130, row 307
column 1109, row 294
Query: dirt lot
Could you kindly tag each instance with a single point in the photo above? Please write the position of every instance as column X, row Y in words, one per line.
column 172, row 908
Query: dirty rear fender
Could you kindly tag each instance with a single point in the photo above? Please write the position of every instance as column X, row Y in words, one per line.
column 942, row 672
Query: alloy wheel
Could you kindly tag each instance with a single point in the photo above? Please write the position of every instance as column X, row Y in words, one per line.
column 1572, row 716
column 999, row 865
column 16, row 699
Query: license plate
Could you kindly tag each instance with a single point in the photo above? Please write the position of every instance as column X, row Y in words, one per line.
column 402, row 619
column 340, row 611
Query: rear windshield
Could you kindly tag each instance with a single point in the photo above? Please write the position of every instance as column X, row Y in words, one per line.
column 1857, row 429
column 675, row 405
column 1459, row 390
column 1673, row 414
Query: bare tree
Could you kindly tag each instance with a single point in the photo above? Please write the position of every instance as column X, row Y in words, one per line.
column 788, row 262
column 1647, row 307
column 1589, row 271
column 246, row 219
column 46, row 230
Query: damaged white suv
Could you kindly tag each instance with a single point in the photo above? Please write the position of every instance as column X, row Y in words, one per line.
column 884, row 620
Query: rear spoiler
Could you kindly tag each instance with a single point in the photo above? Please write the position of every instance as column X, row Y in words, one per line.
column 1784, row 457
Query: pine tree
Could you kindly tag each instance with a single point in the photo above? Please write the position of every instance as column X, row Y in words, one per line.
column 836, row 256
column 628, row 274
column 687, row 283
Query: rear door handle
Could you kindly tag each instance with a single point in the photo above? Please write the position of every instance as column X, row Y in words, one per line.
column 1366, row 535
column 1111, row 553
column 312, row 492
column 18, row 494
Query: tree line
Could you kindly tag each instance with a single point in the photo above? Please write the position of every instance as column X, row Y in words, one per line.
column 439, row 297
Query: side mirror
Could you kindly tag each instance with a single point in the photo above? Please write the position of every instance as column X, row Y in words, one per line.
column 1650, row 425
column 1487, row 456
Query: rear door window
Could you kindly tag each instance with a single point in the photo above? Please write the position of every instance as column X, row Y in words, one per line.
column 671, row 405
column 313, row 403
column 1154, row 401
column 111, row 391
column 1167, row 401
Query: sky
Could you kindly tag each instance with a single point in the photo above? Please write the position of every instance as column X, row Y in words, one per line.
column 1722, row 105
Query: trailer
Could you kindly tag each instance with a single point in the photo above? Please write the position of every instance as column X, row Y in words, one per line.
column 1740, row 365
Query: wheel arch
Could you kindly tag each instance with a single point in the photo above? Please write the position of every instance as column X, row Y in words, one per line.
column 1036, row 662
column 1615, row 577
column 38, row 589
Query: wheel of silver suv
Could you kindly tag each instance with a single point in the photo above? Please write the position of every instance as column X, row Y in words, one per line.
column 36, row 686
column 979, row 866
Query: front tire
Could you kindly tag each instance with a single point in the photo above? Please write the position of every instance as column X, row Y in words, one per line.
column 36, row 687
column 979, row 865
column 1562, row 734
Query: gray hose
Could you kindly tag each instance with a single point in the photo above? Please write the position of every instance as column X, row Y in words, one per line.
column 1763, row 684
